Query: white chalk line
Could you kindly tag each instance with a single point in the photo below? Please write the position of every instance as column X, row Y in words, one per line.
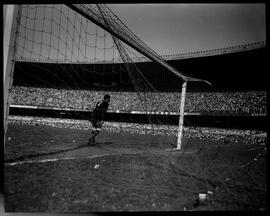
column 47, row 160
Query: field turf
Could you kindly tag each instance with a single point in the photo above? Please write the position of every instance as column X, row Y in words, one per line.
column 51, row 169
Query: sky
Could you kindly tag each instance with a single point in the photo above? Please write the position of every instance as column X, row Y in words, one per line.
column 178, row 28
column 166, row 28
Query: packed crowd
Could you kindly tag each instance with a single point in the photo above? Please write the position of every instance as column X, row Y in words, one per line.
column 252, row 102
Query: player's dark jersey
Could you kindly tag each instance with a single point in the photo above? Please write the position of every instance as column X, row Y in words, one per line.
column 100, row 111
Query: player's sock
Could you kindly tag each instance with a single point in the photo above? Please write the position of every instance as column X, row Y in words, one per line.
column 94, row 134
column 91, row 139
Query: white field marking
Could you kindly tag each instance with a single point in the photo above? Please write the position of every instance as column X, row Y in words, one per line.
column 255, row 148
column 71, row 158
column 53, row 159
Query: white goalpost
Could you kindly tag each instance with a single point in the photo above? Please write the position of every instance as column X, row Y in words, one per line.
column 10, row 26
column 181, row 116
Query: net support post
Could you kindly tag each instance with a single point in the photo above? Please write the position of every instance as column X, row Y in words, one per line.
column 10, row 27
column 181, row 115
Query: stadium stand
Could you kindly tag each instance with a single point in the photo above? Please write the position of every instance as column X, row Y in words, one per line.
column 246, row 103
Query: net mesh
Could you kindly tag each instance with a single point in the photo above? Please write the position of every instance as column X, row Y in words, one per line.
column 57, row 34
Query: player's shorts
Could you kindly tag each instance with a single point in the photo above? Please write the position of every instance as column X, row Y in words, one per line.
column 97, row 124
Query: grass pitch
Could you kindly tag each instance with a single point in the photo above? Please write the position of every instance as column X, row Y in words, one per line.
column 51, row 169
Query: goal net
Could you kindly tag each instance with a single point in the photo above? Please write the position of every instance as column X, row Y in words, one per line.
column 67, row 57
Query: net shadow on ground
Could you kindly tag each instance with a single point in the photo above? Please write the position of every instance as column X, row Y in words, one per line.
column 30, row 156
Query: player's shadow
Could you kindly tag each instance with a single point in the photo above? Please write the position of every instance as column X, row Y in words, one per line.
column 25, row 157
column 29, row 156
